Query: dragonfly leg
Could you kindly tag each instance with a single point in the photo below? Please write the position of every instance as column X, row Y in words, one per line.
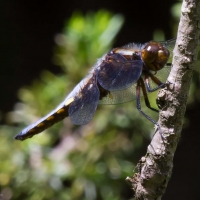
column 146, row 99
column 138, row 104
column 155, row 80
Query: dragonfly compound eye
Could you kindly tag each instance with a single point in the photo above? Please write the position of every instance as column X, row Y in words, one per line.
column 155, row 56
column 163, row 56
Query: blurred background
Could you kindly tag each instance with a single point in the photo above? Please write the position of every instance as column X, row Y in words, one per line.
column 47, row 48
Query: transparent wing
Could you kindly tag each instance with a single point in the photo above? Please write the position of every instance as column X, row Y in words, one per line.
column 129, row 94
column 120, row 96
column 161, row 75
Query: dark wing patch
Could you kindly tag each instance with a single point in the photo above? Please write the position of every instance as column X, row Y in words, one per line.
column 82, row 110
column 118, row 73
column 129, row 94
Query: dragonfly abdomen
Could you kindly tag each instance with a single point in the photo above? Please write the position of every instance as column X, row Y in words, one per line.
column 44, row 123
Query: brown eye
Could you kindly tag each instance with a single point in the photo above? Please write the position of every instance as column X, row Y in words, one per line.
column 155, row 56
column 150, row 53
column 163, row 56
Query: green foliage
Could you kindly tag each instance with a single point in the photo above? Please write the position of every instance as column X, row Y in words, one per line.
column 67, row 161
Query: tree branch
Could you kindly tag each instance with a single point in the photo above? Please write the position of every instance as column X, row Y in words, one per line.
column 155, row 169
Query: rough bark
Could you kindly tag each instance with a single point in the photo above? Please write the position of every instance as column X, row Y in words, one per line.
column 155, row 168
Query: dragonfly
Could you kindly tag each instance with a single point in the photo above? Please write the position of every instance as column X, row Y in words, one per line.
column 124, row 74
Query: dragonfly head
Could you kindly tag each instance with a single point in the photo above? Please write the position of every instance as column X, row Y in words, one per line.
column 155, row 56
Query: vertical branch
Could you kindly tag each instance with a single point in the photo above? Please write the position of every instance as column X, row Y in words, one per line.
column 154, row 170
